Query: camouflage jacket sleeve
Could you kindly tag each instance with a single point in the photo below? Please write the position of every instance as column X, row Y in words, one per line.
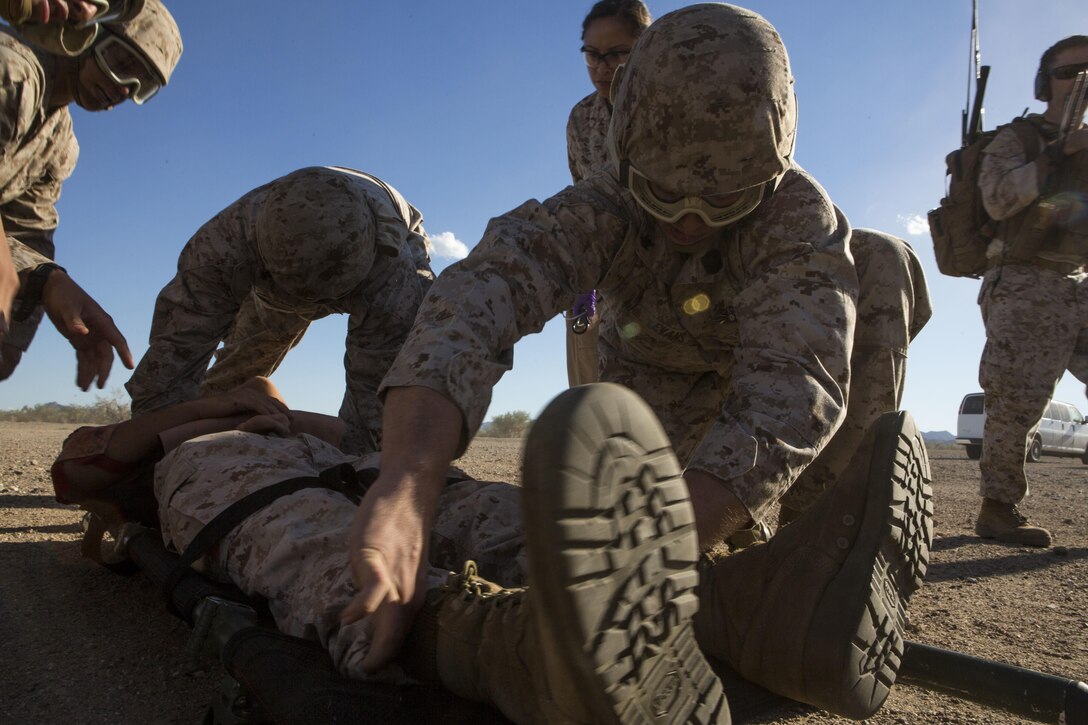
column 377, row 328
column 587, row 130
column 529, row 264
column 193, row 313
column 1008, row 182
column 38, row 149
column 31, row 216
column 572, row 152
column 24, row 257
column 796, row 314
column 22, row 93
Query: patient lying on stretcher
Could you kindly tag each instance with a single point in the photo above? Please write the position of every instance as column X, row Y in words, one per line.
column 109, row 462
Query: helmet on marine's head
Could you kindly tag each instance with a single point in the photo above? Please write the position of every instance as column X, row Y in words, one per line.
column 315, row 237
column 705, row 109
column 140, row 51
column 62, row 37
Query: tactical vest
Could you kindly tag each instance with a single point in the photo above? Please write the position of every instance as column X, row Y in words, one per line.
column 1056, row 224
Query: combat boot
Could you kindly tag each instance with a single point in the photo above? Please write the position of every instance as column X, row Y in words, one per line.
column 603, row 633
column 1004, row 522
column 817, row 613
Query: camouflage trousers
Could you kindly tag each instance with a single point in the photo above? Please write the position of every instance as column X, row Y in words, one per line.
column 293, row 552
column 893, row 307
column 1036, row 328
column 876, row 387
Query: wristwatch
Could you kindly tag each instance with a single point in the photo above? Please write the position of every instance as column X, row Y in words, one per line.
column 30, row 295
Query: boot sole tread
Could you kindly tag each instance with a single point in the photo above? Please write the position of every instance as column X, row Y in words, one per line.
column 605, row 495
column 861, row 677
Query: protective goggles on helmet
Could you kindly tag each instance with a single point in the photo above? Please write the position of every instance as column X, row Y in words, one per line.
column 127, row 67
column 718, row 210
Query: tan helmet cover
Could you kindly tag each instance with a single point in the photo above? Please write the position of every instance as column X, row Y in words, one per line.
column 315, row 235
column 155, row 33
column 705, row 103
column 62, row 38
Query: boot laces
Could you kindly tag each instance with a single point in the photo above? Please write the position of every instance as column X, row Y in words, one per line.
column 471, row 585
column 1020, row 518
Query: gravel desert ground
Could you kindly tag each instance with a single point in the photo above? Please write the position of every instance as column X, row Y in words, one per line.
column 83, row 645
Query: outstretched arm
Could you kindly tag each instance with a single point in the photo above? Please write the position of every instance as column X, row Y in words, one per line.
column 389, row 537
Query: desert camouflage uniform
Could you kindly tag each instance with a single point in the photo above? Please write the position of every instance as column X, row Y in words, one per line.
column 740, row 344
column 742, row 351
column 292, row 551
column 893, row 306
column 38, row 151
column 24, row 257
column 587, row 153
column 350, row 227
column 1036, row 313
column 587, row 129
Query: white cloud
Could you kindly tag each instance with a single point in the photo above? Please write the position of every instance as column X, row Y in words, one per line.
column 915, row 224
column 447, row 246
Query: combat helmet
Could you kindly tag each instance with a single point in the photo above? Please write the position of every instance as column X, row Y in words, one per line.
column 153, row 35
column 315, row 238
column 69, row 39
column 705, row 109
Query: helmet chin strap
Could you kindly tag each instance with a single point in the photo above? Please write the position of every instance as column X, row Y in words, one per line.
column 71, row 77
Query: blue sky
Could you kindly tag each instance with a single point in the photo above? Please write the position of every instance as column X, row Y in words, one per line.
column 463, row 106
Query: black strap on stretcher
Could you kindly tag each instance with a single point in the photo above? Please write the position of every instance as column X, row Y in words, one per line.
column 342, row 478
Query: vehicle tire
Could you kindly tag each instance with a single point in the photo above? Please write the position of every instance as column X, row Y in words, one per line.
column 974, row 452
column 1084, row 457
column 1035, row 451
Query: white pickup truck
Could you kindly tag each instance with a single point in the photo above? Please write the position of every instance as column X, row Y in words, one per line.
column 1062, row 431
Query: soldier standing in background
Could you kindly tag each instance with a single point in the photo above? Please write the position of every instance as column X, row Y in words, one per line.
column 1034, row 297
column 315, row 242
column 609, row 31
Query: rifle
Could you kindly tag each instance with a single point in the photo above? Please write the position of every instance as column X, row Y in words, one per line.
column 1073, row 110
column 970, row 128
column 1047, row 211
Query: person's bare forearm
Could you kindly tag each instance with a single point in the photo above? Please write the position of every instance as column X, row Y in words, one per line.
column 421, row 432
column 388, row 540
column 328, row 428
column 135, row 439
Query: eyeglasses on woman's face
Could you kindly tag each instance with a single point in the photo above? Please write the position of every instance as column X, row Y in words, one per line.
column 612, row 59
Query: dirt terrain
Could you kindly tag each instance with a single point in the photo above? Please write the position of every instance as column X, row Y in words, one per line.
column 82, row 645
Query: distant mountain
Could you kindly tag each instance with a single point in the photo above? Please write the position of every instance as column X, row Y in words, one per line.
column 938, row 436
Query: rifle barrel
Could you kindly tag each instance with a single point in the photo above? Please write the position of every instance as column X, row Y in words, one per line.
column 974, row 126
column 1073, row 109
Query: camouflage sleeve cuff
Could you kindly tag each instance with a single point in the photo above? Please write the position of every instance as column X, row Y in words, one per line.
column 466, row 379
column 733, row 457
column 24, row 257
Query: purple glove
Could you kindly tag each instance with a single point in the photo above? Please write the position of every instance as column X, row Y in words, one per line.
column 585, row 307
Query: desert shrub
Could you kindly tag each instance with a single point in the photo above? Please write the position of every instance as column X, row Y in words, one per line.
column 514, row 424
column 111, row 407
